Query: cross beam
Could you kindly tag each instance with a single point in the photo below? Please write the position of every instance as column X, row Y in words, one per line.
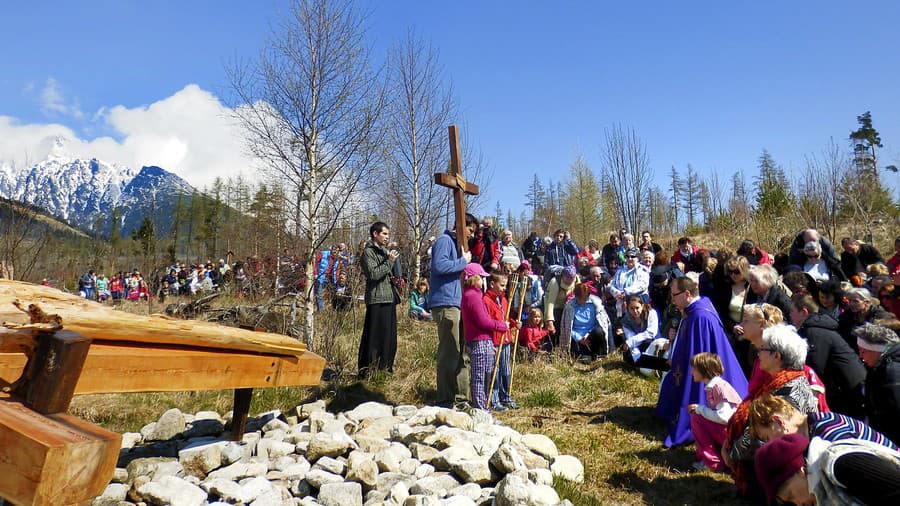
column 454, row 180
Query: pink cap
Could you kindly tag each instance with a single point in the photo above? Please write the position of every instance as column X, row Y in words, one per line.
column 475, row 269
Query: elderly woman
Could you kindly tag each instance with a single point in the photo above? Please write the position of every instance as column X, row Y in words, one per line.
column 585, row 326
column 879, row 348
column 782, row 356
column 861, row 308
column 815, row 266
column 764, row 287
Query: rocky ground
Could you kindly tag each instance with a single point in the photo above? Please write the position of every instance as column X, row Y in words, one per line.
column 372, row 455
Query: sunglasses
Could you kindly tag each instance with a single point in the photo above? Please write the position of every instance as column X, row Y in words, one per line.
column 630, row 256
column 734, row 271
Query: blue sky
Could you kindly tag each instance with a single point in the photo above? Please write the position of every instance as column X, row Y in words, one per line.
column 707, row 83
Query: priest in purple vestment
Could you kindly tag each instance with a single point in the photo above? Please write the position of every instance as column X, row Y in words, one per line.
column 700, row 330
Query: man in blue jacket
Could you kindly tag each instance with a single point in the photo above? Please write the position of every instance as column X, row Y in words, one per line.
column 444, row 300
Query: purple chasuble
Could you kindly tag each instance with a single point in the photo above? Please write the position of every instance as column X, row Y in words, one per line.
column 701, row 330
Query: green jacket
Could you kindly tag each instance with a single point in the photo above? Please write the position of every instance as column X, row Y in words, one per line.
column 377, row 268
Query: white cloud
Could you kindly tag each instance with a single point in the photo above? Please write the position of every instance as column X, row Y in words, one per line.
column 53, row 100
column 190, row 133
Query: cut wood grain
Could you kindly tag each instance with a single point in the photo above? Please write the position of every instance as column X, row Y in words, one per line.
column 127, row 367
column 52, row 459
column 104, row 323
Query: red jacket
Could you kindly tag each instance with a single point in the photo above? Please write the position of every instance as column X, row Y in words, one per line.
column 532, row 337
column 498, row 312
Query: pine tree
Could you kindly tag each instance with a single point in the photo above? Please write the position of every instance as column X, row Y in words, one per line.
column 676, row 189
column 773, row 194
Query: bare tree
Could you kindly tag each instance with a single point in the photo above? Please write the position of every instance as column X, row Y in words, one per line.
column 310, row 105
column 818, row 192
column 23, row 239
column 627, row 169
column 417, row 119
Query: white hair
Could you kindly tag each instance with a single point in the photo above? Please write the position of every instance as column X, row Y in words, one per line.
column 785, row 340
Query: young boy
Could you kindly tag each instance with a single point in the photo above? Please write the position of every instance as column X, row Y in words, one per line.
column 497, row 307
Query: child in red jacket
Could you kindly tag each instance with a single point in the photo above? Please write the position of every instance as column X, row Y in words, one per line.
column 498, row 308
column 534, row 336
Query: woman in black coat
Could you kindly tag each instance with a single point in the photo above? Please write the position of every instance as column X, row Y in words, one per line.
column 832, row 359
column 880, row 350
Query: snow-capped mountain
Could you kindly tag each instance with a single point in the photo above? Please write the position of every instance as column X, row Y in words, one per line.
column 85, row 192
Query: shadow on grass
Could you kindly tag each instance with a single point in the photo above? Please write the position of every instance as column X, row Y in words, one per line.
column 695, row 488
column 347, row 397
column 633, row 418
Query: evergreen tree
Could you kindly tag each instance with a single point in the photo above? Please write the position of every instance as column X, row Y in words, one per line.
column 581, row 206
column 676, row 190
column 535, row 199
column 773, row 194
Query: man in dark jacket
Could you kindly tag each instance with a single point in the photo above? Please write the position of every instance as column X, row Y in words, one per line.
column 857, row 257
column 831, row 357
column 378, row 345
column 798, row 256
column 560, row 254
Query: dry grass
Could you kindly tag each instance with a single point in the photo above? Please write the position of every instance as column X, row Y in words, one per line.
column 602, row 413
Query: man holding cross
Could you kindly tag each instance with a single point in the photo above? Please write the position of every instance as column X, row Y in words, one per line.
column 446, row 295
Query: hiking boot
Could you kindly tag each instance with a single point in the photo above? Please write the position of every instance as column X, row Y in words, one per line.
column 499, row 407
column 699, row 466
column 513, row 405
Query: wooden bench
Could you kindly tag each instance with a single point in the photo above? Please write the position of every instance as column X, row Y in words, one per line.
column 49, row 457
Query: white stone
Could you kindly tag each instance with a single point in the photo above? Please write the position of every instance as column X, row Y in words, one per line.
column 329, row 445
column 540, row 444
column 113, row 493
column 424, row 470
column 370, row 410
column 409, row 466
column 173, row 491
column 507, row 459
column 331, row 465
column 304, row 410
column 235, row 451
column 568, row 467
column 540, row 476
column 340, row 494
column 475, row 470
column 405, row 411
column 240, row 470
column 253, row 488
column 199, row 459
column 270, row 449
column 470, row 490
column 169, row 425
column 399, row 492
column 544, row 494
column 130, row 439
column 227, row 490
column 317, row 477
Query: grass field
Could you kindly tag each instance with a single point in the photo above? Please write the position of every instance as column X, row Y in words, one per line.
column 602, row 413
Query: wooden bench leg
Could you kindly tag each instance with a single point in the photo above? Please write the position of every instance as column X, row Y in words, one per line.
column 53, row 371
column 240, row 413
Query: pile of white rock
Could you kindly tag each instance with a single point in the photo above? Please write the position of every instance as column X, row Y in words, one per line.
column 375, row 454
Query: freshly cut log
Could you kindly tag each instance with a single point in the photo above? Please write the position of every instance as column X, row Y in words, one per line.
column 113, row 367
column 102, row 323
column 52, row 459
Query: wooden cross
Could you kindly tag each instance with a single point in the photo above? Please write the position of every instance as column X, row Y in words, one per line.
column 454, row 179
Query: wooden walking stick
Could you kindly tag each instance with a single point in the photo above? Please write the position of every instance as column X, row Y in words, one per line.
column 525, row 286
column 490, row 391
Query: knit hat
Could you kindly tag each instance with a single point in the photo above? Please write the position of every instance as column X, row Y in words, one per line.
column 778, row 460
column 475, row 269
column 569, row 272
column 526, row 264
column 632, row 252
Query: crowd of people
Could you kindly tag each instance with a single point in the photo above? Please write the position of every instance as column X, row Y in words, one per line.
column 783, row 370
column 770, row 364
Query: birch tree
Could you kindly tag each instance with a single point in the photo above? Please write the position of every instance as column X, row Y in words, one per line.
column 627, row 169
column 310, row 105
column 417, row 117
